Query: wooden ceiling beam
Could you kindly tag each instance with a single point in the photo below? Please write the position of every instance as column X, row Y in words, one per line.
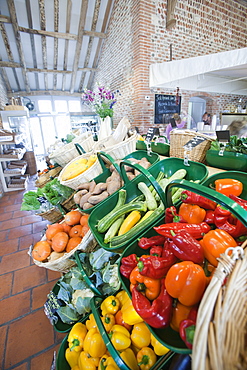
column 61, row 35
column 43, row 38
column 55, row 56
column 40, row 70
column 13, row 18
column 90, row 43
column 43, row 92
column 66, row 46
column 99, row 46
column 5, row 78
column 79, row 44
column 4, row 19
column 30, row 24
column 170, row 18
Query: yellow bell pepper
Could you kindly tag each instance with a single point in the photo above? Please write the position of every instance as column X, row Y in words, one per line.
column 158, row 347
column 72, row 357
column 123, row 297
column 140, row 335
column 107, row 363
column 130, row 316
column 146, row 358
column 94, row 344
column 91, row 323
column 120, row 337
column 76, row 367
column 110, row 305
column 108, row 321
column 76, row 337
column 129, row 358
column 86, row 362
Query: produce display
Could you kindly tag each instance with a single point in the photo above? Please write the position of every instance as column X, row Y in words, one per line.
column 77, row 167
column 235, row 145
column 46, row 197
column 167, row 272
column 61, row 238
column 92, row 193
column 72, row 294
column 127, row 333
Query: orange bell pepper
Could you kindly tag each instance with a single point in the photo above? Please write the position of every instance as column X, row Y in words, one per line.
column 150, row 286
column 187, row 282
column 216, row 242
column 229, row 187
column 179, row 313
column 192, row 213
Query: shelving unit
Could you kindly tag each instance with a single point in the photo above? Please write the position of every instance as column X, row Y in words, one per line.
column 11, row 178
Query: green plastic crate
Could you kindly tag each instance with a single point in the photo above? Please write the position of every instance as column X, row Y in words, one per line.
column 227, row 161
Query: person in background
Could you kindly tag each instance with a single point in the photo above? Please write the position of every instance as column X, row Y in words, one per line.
column 206, row 118
column 175, row 122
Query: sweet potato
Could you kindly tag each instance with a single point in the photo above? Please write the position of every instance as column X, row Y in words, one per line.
column 78, row 195
column 99, row 188
column 95, row 199
column 87, row 205
column 85, row 185
column 92, row 186
column 84, row 199
column 130, row 175
column 113, row 186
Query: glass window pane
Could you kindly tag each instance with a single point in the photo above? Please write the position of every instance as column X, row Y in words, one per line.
column 44, row 106
column 74, row 105
column 48, row 129
column 61, row 106
column 36, row 136
column 63, row 126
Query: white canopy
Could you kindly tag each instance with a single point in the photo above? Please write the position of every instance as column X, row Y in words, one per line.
column 224, row 72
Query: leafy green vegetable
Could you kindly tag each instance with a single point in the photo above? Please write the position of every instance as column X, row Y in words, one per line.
column 235, row 145
column 98, row 258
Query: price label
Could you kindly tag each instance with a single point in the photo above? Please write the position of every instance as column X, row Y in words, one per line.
column 197, row 140
column 152, row 131
column 223, row 136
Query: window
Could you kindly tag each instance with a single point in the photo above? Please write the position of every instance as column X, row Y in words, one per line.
column 61, row 106
column 44, row 106
column 74, row 105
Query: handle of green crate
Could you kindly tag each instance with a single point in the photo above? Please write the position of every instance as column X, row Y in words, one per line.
column 211, row 194
column 145, row 173
column 79, row 148
column 110, row 159
column 113, row 352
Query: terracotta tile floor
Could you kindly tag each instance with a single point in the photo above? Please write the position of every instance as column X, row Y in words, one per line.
column 27, row 339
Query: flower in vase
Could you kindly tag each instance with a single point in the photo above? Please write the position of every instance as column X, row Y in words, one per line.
column 100, row 101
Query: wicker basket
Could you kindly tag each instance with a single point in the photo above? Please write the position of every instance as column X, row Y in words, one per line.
column 64, row 263
column 87, row 175
column 116, row 150
column 66, row 153
column 220, row 340
column 178, row 138
column 46, row 177
column 57, row 213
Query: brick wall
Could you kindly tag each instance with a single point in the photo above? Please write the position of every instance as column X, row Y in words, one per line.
column 137, row 37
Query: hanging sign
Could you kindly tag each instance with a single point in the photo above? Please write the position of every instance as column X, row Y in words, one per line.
column 197, row 140
column 165, row 106
column 152, row 131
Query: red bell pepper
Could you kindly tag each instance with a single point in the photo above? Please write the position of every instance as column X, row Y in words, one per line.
column 156, row 250
column 209, row 218
column 157, row 314
column 146, row 243
column 156, row 267
column 189, row 197
column 187, row 327
column 128, row 264
column 195, row 230
column 171, row 215
column 186, row 247
column 240, row 201
column 222, row 219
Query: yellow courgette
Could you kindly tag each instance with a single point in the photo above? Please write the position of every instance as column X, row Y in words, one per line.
column 129, row 222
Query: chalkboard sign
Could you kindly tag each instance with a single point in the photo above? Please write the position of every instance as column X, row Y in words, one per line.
column 165, row 107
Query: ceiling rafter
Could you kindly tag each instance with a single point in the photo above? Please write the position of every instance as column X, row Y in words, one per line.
column 66, row 47
column 42, row 70
column 97, row 52
column 79, row 43
column 30, row 24
column 5, row 77
column 90, row 43
column 9, row 53
column 43, row 39
column 13, row 18
column 55, row 57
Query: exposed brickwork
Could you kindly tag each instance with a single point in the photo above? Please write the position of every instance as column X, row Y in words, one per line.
column 137, row 37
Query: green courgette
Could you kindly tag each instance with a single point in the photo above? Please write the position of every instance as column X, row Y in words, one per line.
column 106, row 222
column 135, row 230
column 149, row 198
column 113, row 229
